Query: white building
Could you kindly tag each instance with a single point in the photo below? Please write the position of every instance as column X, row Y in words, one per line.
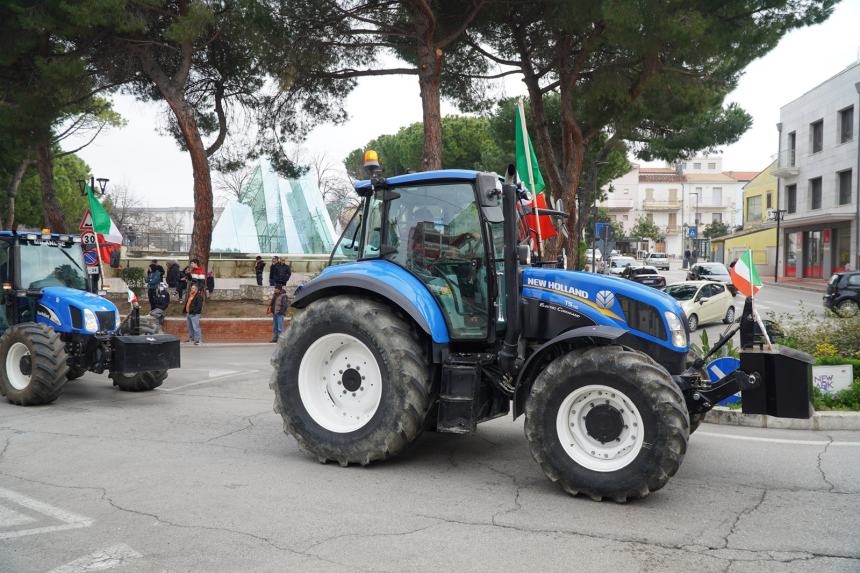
column 692, row 193
column 817, row 178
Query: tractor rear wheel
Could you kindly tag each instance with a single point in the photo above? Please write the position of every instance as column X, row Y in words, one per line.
column 32, row 364
column 141, row 381
column 607, row 422
column 352, row 381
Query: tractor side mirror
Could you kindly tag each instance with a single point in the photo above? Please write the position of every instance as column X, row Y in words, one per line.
column 524, row 254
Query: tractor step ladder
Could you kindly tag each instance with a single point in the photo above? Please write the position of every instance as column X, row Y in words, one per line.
column 458, row 397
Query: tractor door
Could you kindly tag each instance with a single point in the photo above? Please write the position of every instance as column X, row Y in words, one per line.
column 434, row 231
column 5, row 279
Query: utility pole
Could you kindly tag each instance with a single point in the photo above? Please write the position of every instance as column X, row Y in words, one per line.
column 777, row 215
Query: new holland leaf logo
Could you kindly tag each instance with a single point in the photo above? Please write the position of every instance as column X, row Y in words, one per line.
column 605, row 299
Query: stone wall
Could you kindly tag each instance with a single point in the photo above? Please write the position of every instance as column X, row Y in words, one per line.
column 225, row 329
column 229, row 268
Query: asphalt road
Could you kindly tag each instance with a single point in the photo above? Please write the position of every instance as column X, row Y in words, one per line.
column 199, row 475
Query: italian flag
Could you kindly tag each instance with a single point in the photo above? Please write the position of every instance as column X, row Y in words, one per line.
column 745, row 276
column 107, row 233
column 529, row 173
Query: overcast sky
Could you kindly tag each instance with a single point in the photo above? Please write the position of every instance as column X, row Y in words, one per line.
column 160, row 174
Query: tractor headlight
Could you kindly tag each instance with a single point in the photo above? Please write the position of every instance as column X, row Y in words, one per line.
column 90, row 322
column 676, row 329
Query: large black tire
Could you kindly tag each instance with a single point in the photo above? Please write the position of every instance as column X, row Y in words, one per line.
column 405, row 389
column 43, row 359
column 141, row 381
column 638, row 384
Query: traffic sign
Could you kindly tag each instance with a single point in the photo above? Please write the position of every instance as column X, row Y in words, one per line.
column 721, row 367
column 91, row 258
column 693, row 232
column 87, row 221
column 92, row 270
column 88, row 240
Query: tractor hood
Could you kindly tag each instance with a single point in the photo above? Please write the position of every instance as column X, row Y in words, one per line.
column 609, row 301
column 75, row 311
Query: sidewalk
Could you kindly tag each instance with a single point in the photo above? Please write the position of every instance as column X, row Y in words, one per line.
column 811, row 285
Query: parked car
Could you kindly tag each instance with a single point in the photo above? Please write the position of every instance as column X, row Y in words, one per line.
column 703, row 302
column 645, row 275
column 716, row 272
column 618, row 264
column 843, row 294
column 659, row 260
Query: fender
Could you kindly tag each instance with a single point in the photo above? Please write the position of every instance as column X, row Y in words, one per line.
column 585, row 335
column 380, row 278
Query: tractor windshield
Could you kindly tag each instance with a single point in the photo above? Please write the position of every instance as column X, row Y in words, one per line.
column 45, row 265
column 434, row 231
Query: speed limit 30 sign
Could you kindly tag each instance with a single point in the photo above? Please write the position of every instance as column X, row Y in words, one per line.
column 88, row 240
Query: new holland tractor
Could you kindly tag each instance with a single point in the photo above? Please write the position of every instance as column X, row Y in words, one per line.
column 54, row 329
column 438, row 320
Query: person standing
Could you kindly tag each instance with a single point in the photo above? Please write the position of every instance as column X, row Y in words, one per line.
column 687, row 258
column 273, row 271
column 278, row 308
column 193, row 310
column 154, row 276
column 173, row 273
column 282, row 273
column 210, row 282
column 259, row 265
column 197, row 274
column 184, row 278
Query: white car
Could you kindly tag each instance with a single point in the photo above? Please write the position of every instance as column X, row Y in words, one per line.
column 618, row 264
column 703, row 302
column 659, row 260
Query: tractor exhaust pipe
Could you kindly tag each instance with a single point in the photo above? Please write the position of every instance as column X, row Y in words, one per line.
column 508, row 354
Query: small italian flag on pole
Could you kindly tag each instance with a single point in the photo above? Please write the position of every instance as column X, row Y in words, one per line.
column 745, row 276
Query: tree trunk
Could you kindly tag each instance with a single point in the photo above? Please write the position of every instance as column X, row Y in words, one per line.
column 201, row 234
column 13, row 192
column 429, row 81
column 573, row 151
column 52, row 214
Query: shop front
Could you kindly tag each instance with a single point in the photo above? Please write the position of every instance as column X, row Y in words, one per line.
column 817, row 252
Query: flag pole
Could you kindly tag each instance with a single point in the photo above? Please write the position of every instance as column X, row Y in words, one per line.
column 754, row 309
column 100, row 278
column 528, row 152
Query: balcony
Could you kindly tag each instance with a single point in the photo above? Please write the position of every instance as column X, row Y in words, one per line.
column 672, row 231
column 787, row 164
column 619, row 204
column 651, row 205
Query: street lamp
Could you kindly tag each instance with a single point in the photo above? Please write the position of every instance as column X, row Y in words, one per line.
column 776, row 215
column 695, row 219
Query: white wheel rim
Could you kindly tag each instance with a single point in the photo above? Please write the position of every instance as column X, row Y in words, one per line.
column 585, row 449
column 340, row 383
column 16, row 377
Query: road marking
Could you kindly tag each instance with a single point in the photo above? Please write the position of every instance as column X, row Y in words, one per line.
column 209, row 380
column 69, row 520
column 10, row 518
column 819, row 443
column 101, row 560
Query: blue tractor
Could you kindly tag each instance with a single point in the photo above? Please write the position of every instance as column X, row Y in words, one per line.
column 53, row 328
column 433, row 316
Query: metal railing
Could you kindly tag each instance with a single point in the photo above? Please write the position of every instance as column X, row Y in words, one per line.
column 180, row 243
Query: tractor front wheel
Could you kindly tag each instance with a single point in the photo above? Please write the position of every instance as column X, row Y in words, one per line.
column 141, row 381
column 607, row 422
column 352, row 381
column 32, row 365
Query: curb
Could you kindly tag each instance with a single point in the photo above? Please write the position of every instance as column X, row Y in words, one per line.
column 825, row 421
column 797, row 286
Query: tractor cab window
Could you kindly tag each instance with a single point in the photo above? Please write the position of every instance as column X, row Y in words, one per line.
column 434, row 231
column 45, row 266
column 346, row 248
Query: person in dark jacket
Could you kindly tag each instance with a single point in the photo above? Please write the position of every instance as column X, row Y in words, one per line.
column 173, row 272
column 154, row 276
column 278, row 308
column 273, row 271
column 281, row 273
column 259, row 265
column 210, row 282
column 193, row 310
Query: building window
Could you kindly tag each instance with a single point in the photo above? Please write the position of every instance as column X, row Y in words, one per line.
column 625, row 217
column 816, row 136
column 792, row 146
column 712, row 166
column 846, row 124
column 717, row 196
column 754, row 209
column 769, row 202
column 649, row 194
column 844, row 187
column 791, row 198
column 650, row 217
column 815, row 193
column 716, row 217
column 697, row 165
